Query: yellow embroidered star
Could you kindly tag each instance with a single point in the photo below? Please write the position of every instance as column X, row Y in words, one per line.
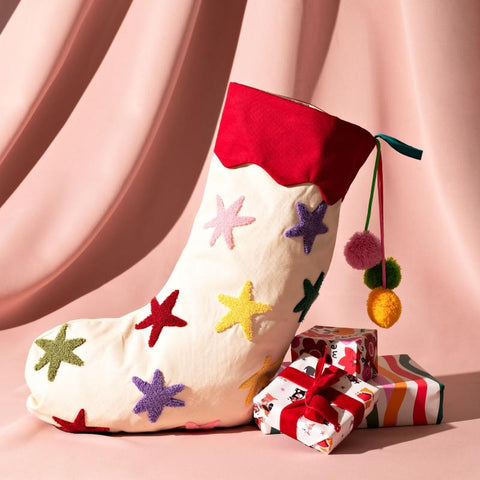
column 260, row 379
column 242, row 309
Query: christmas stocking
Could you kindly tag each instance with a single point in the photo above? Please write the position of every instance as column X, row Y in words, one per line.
column 216, row 333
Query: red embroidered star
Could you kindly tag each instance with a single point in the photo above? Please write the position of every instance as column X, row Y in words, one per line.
column 78, row 425
column 161, row 317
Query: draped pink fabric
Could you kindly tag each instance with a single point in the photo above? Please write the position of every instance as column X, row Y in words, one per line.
column 108, row 111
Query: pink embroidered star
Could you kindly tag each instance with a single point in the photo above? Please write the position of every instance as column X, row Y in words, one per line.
column 202, row 426
column 227, row 220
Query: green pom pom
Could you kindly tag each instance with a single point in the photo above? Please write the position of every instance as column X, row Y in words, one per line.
column 373, row 276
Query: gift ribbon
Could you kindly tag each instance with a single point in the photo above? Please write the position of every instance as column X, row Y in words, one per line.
column 380, row 212
column 316, row 405
column 404, row 149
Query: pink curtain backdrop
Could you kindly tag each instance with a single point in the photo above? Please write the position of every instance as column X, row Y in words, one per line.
column 108, row 113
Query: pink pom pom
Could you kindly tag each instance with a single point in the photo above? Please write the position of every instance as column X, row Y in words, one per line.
column 363, row 250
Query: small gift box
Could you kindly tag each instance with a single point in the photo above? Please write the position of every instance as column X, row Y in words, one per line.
column 351, row 349
column 315, row 403
column 408, row 395
column 265, row 428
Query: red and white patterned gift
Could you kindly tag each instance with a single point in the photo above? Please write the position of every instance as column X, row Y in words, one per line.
column 351, row 349
column 314, row 403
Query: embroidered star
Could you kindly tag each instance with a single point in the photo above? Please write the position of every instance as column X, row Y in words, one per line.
column 78, row 425
column 160, row 317
column 202, row 426
column 156, row 396
column 311, row 293
column 310, row 225
column 242, row 309
column 260, row 379
column 58, row 351
column 227, row 220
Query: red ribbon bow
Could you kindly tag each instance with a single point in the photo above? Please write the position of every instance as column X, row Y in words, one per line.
column 317, row 403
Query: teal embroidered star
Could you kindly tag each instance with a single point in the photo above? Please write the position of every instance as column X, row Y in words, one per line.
column 311, row 293
column 58, row 351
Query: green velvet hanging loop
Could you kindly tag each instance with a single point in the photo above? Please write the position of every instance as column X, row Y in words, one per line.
column 372, row 189
column 401, row 147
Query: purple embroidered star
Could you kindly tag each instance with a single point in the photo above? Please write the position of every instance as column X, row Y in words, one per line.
column 310, row 225
column 156, row 396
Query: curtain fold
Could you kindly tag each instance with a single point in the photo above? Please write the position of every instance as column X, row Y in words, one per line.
column 44, row 103
column 141, row 129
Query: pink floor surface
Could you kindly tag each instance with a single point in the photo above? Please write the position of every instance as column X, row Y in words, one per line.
column 31, row 449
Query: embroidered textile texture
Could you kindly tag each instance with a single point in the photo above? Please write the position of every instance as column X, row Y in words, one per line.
column 242, row 309
column 160, row 317
column 310, row 225
column 226, row 220
column 311, row 293
column 156, row 396
column 78, row 425
column 260, row 378
column 58, row 351
column 202, row 426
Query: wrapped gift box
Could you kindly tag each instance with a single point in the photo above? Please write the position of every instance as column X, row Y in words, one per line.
column 283, row 404
column 351, row 349
column 408, row 395
column 265, row 428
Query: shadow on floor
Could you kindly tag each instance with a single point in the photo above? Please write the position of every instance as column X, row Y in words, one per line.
column 364, row 440
column 251, row 427
column 462, row 396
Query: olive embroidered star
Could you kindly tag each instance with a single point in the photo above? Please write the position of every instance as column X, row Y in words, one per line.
column 242, row 309
column 311, row 293
column 58, row 351
column 260, row 378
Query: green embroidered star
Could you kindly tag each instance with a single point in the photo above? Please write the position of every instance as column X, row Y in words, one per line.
column 311, row 293
column 58, row 351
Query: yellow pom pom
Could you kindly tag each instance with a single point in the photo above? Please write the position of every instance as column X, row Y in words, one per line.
column 384, row 307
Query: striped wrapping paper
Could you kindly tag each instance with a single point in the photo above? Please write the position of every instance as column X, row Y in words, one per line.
column 408, row 394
